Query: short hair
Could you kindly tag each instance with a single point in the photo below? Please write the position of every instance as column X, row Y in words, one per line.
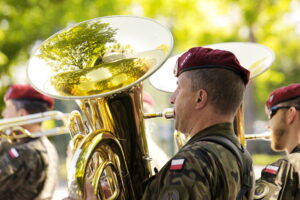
column 294, row 102
column 225, row 88
column 32, row 106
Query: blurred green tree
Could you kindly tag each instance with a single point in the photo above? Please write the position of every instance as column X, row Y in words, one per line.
column 192, row 22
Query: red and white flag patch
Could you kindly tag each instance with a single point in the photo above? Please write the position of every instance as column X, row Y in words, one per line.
column 13, row 153
column 177, row 164
column 271, row 169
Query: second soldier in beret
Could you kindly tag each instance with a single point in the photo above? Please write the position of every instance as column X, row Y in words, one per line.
column 281, row 179
column 212, row 164
column 28, row 166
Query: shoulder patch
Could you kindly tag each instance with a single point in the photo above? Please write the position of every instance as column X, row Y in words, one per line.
column 13, row 153
column 177, row 164
column 271, row 169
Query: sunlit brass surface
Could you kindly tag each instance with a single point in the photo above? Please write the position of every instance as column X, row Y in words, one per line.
column 99, row 57
column 116, row 150
column 101, row 64
column 168, row 113
column 11, row 128
column 263, row 136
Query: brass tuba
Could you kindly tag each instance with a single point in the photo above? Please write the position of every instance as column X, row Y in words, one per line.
column 101, row 64
column 255, row 57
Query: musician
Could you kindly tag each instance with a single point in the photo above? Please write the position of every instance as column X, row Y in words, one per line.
column 212, row 164
column 28, row 167
column 281, row 179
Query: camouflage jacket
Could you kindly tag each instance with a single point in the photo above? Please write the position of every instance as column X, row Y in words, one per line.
column 281, row 179
column 25, row 170
column 200, row 170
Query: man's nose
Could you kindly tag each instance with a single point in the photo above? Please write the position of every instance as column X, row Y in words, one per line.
column 172, row 98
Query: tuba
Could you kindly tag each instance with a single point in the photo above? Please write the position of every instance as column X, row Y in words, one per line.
column 255, row 57
column 101, row 63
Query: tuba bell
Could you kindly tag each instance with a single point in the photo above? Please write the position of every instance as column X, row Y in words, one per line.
column 255, row 57
column 101, row 63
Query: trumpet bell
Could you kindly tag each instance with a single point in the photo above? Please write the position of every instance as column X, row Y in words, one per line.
column 99, row 57
column 255, row 57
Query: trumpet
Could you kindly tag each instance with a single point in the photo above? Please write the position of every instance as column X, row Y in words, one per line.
column 11, row 128
column 264, row 136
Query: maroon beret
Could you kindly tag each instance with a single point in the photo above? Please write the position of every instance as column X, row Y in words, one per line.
column 282, row 94
column 200, row 58
column 19, row 91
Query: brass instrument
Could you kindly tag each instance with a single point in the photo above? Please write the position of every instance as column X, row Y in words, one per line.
column 101, row 64
column 255, row 57
column 12, row 129
column 181, row 139
column 263, row 136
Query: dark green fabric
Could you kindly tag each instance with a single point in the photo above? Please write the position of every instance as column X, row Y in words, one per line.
column 23, row 177
column 210, row 171
column 285, row 184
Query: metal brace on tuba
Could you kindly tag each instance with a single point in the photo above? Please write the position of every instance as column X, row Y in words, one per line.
column 101, row 63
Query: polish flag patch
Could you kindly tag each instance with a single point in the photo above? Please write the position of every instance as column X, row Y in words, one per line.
column 13, row 153
column 271, row 169
column 177, row 164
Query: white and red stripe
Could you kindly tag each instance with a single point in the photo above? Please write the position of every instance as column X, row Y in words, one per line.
column 176, row 164
column 271, row 169
column 13, row 153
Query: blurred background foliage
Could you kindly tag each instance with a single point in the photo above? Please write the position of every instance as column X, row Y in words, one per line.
column 274, row 23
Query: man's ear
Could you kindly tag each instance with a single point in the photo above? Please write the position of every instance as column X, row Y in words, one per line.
column 23, row 112
column 201, row 98
column 291, row 115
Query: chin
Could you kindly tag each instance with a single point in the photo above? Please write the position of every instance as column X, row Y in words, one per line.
column 277, row 147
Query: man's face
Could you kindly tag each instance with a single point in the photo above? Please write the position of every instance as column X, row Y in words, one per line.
column 183, row 100
column 10, row 110
column 278, row 127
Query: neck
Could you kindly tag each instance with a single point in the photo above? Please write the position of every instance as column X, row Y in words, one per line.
column 294, row 138
column 210, row 119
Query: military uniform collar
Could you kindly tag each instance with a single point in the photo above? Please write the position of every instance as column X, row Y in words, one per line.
column 222, row 129
column 296, row 149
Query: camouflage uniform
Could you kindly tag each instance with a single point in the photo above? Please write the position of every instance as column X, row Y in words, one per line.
column 209, row 170
column 281, row 179
column 28, row 170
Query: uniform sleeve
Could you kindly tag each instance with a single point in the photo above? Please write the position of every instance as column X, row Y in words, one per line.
column 14, row 166
column 186, row 176
column 273, row 179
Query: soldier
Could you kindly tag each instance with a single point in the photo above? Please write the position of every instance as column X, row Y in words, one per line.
column 281, row 179
column 212, row 164
column 28, row 166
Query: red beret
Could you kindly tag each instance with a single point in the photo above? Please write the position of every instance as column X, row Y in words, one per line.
column 200, row 58
column 282, row 94
column 18, row 91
